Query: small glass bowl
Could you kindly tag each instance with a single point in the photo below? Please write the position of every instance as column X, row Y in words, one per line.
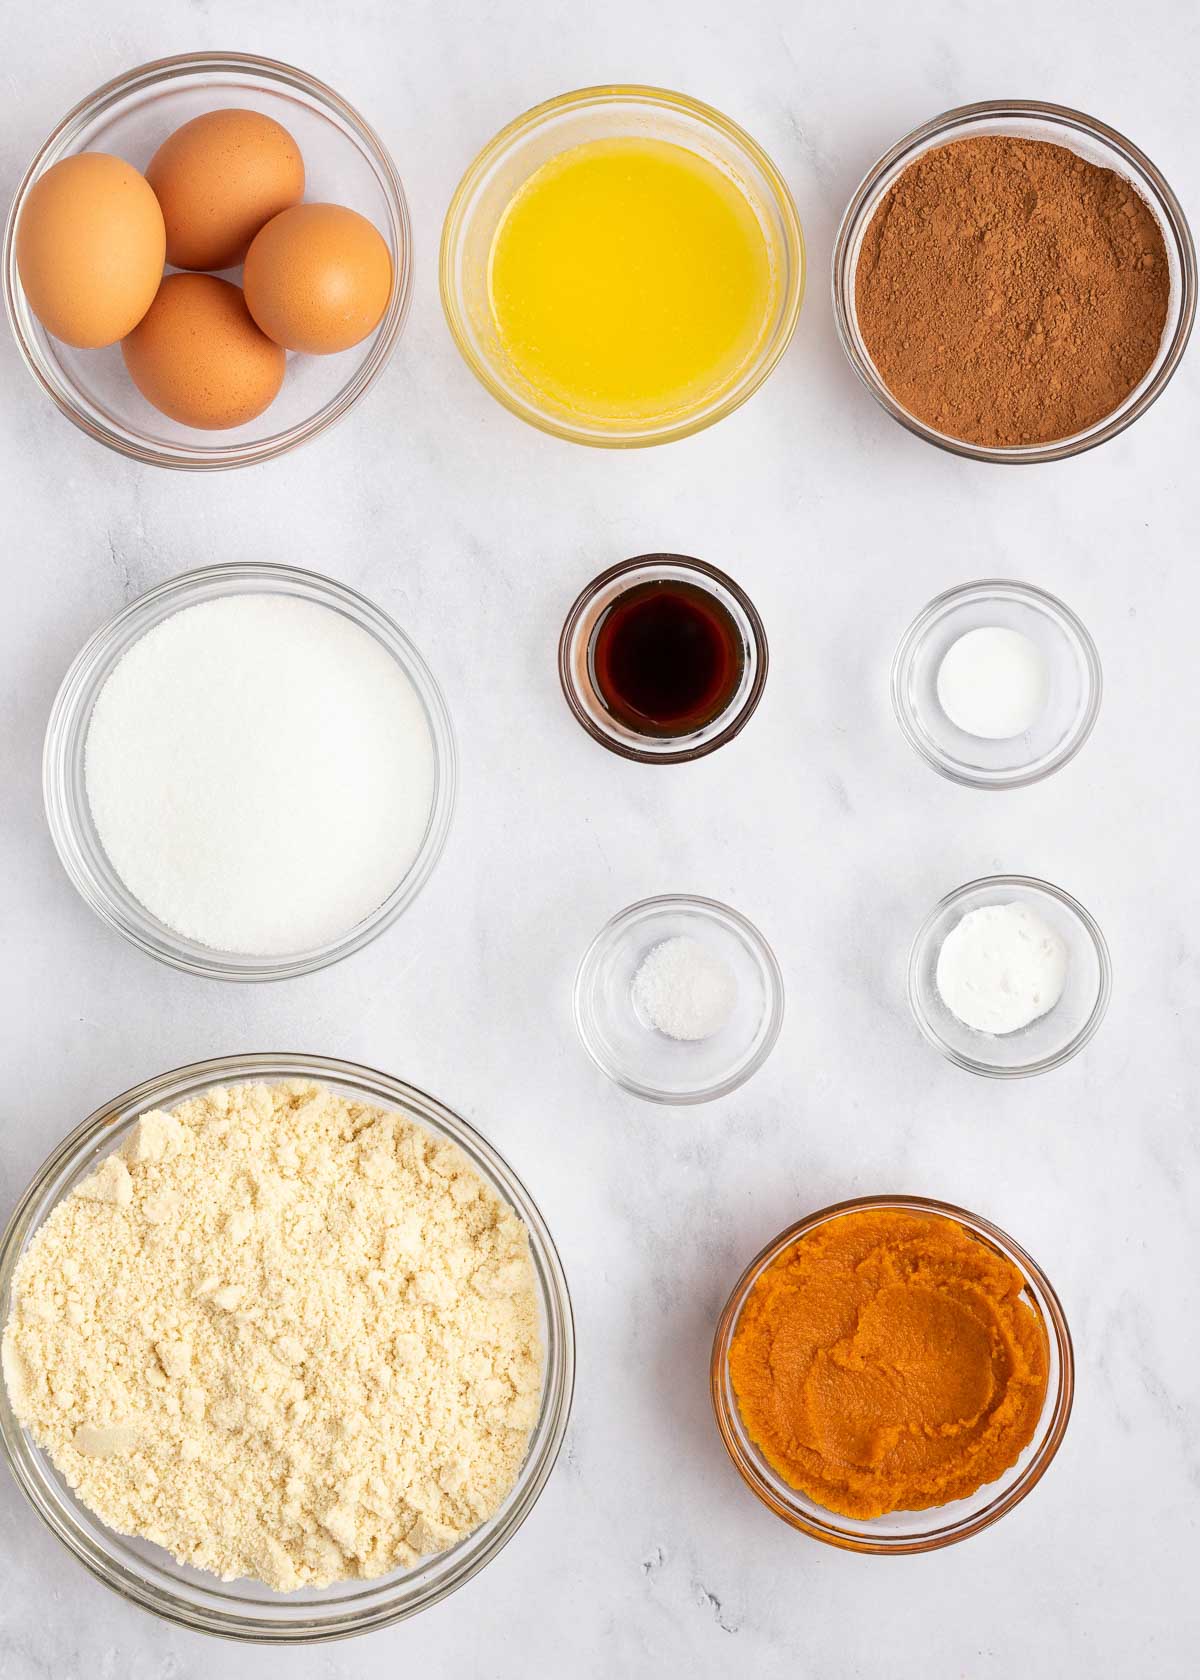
column 345, row 163
column 1029, row 119
column 645, row 1061
column 575, row 659
column 69, row 816
column 572, row 119
column 1054, row 1037
column 146, row 1574
column 900, row 1531
column 1072, row 701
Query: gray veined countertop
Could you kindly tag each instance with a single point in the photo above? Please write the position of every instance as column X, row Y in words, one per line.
column 646, row 1556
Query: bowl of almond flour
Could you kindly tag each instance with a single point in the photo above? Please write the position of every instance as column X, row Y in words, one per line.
column 287, row 1348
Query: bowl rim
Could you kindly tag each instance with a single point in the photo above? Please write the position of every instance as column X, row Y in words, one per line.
column 1041, row 597
column 735, row 721
column 185, row 457
column 736, row 1440
column 1005, row 883
column 67, row 721
column 708, row 115
column 558, row 1382
column 710, row 909
column 1069, row 120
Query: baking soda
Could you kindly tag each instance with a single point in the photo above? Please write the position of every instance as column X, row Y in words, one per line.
column 260, row 771
column 993, row 683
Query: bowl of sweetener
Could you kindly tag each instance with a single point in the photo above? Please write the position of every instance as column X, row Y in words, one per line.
column 249, row 772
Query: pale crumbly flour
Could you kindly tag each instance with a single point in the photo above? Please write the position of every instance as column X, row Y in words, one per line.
column 283, row 1334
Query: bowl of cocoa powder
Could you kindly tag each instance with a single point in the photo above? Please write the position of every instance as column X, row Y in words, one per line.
column 1014, row 281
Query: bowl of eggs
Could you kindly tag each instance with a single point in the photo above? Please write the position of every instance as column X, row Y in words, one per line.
column 209, row 261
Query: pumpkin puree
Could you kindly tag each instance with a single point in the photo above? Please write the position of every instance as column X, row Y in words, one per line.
column 886, row 1362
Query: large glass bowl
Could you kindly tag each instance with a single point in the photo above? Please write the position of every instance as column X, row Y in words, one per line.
column 1029, row 119
column 602, row 113
column 69, row 816
column 148, row 1575
column 345, row 162
column 900, row 1531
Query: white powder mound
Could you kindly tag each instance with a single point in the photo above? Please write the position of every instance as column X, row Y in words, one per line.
column 683, row 989
column 283, row 1335
column 993, row 683
column 260, row 772
column 1001, row 967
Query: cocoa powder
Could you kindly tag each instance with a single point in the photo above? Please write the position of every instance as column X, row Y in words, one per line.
column 1009, row 292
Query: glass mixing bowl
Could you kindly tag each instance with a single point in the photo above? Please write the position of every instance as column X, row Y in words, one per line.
column 1051, row 1039
column 64, row 787
column 1098, row 144
column 900, row 1531
column 146, row 1574
column 345, row 163
column 602, row 113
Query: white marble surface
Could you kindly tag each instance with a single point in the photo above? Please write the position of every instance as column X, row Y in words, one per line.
column 645, row 1555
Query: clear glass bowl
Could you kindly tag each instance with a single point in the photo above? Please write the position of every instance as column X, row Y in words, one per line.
column 70, row 819
column 1054, row 1037
column 572, row 119
column 345, row 163
column 575, row 659
column 1072, row 701
column 148, row 1575
column 1029, row 119
column 645, row 1061
column 900, row 1531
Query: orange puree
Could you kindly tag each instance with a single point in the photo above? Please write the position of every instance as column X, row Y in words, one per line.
column 886, row 1362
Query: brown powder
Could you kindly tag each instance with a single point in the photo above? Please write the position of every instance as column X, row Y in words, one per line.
column 1010, row 292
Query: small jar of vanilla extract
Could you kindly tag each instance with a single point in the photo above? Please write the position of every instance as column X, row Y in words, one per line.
column 663, row 658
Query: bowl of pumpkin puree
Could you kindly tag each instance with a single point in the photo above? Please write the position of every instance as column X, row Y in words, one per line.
column 892, row 1374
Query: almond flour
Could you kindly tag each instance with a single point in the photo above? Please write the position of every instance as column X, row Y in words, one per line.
column 282, row 1334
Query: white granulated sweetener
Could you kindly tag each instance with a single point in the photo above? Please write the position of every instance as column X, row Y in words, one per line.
column 283, row 1334
column 260, row 772
column 684, row 989
column 1001, row 967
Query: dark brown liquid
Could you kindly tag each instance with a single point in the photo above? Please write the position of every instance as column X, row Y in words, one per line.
column 666, row 658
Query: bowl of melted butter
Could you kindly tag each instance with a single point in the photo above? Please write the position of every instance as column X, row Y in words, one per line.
column 622, row 266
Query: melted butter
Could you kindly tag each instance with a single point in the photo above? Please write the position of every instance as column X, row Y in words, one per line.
column 630, row 278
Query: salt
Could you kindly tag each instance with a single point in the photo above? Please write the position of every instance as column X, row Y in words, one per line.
column 260, row 771
column 684, row 990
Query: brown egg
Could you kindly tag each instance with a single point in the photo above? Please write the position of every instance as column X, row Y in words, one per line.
column 199, row 358
column 218, row 179
column 318, row 278
column 90, row 247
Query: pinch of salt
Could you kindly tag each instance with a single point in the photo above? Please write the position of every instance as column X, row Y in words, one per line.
column 684, row 989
